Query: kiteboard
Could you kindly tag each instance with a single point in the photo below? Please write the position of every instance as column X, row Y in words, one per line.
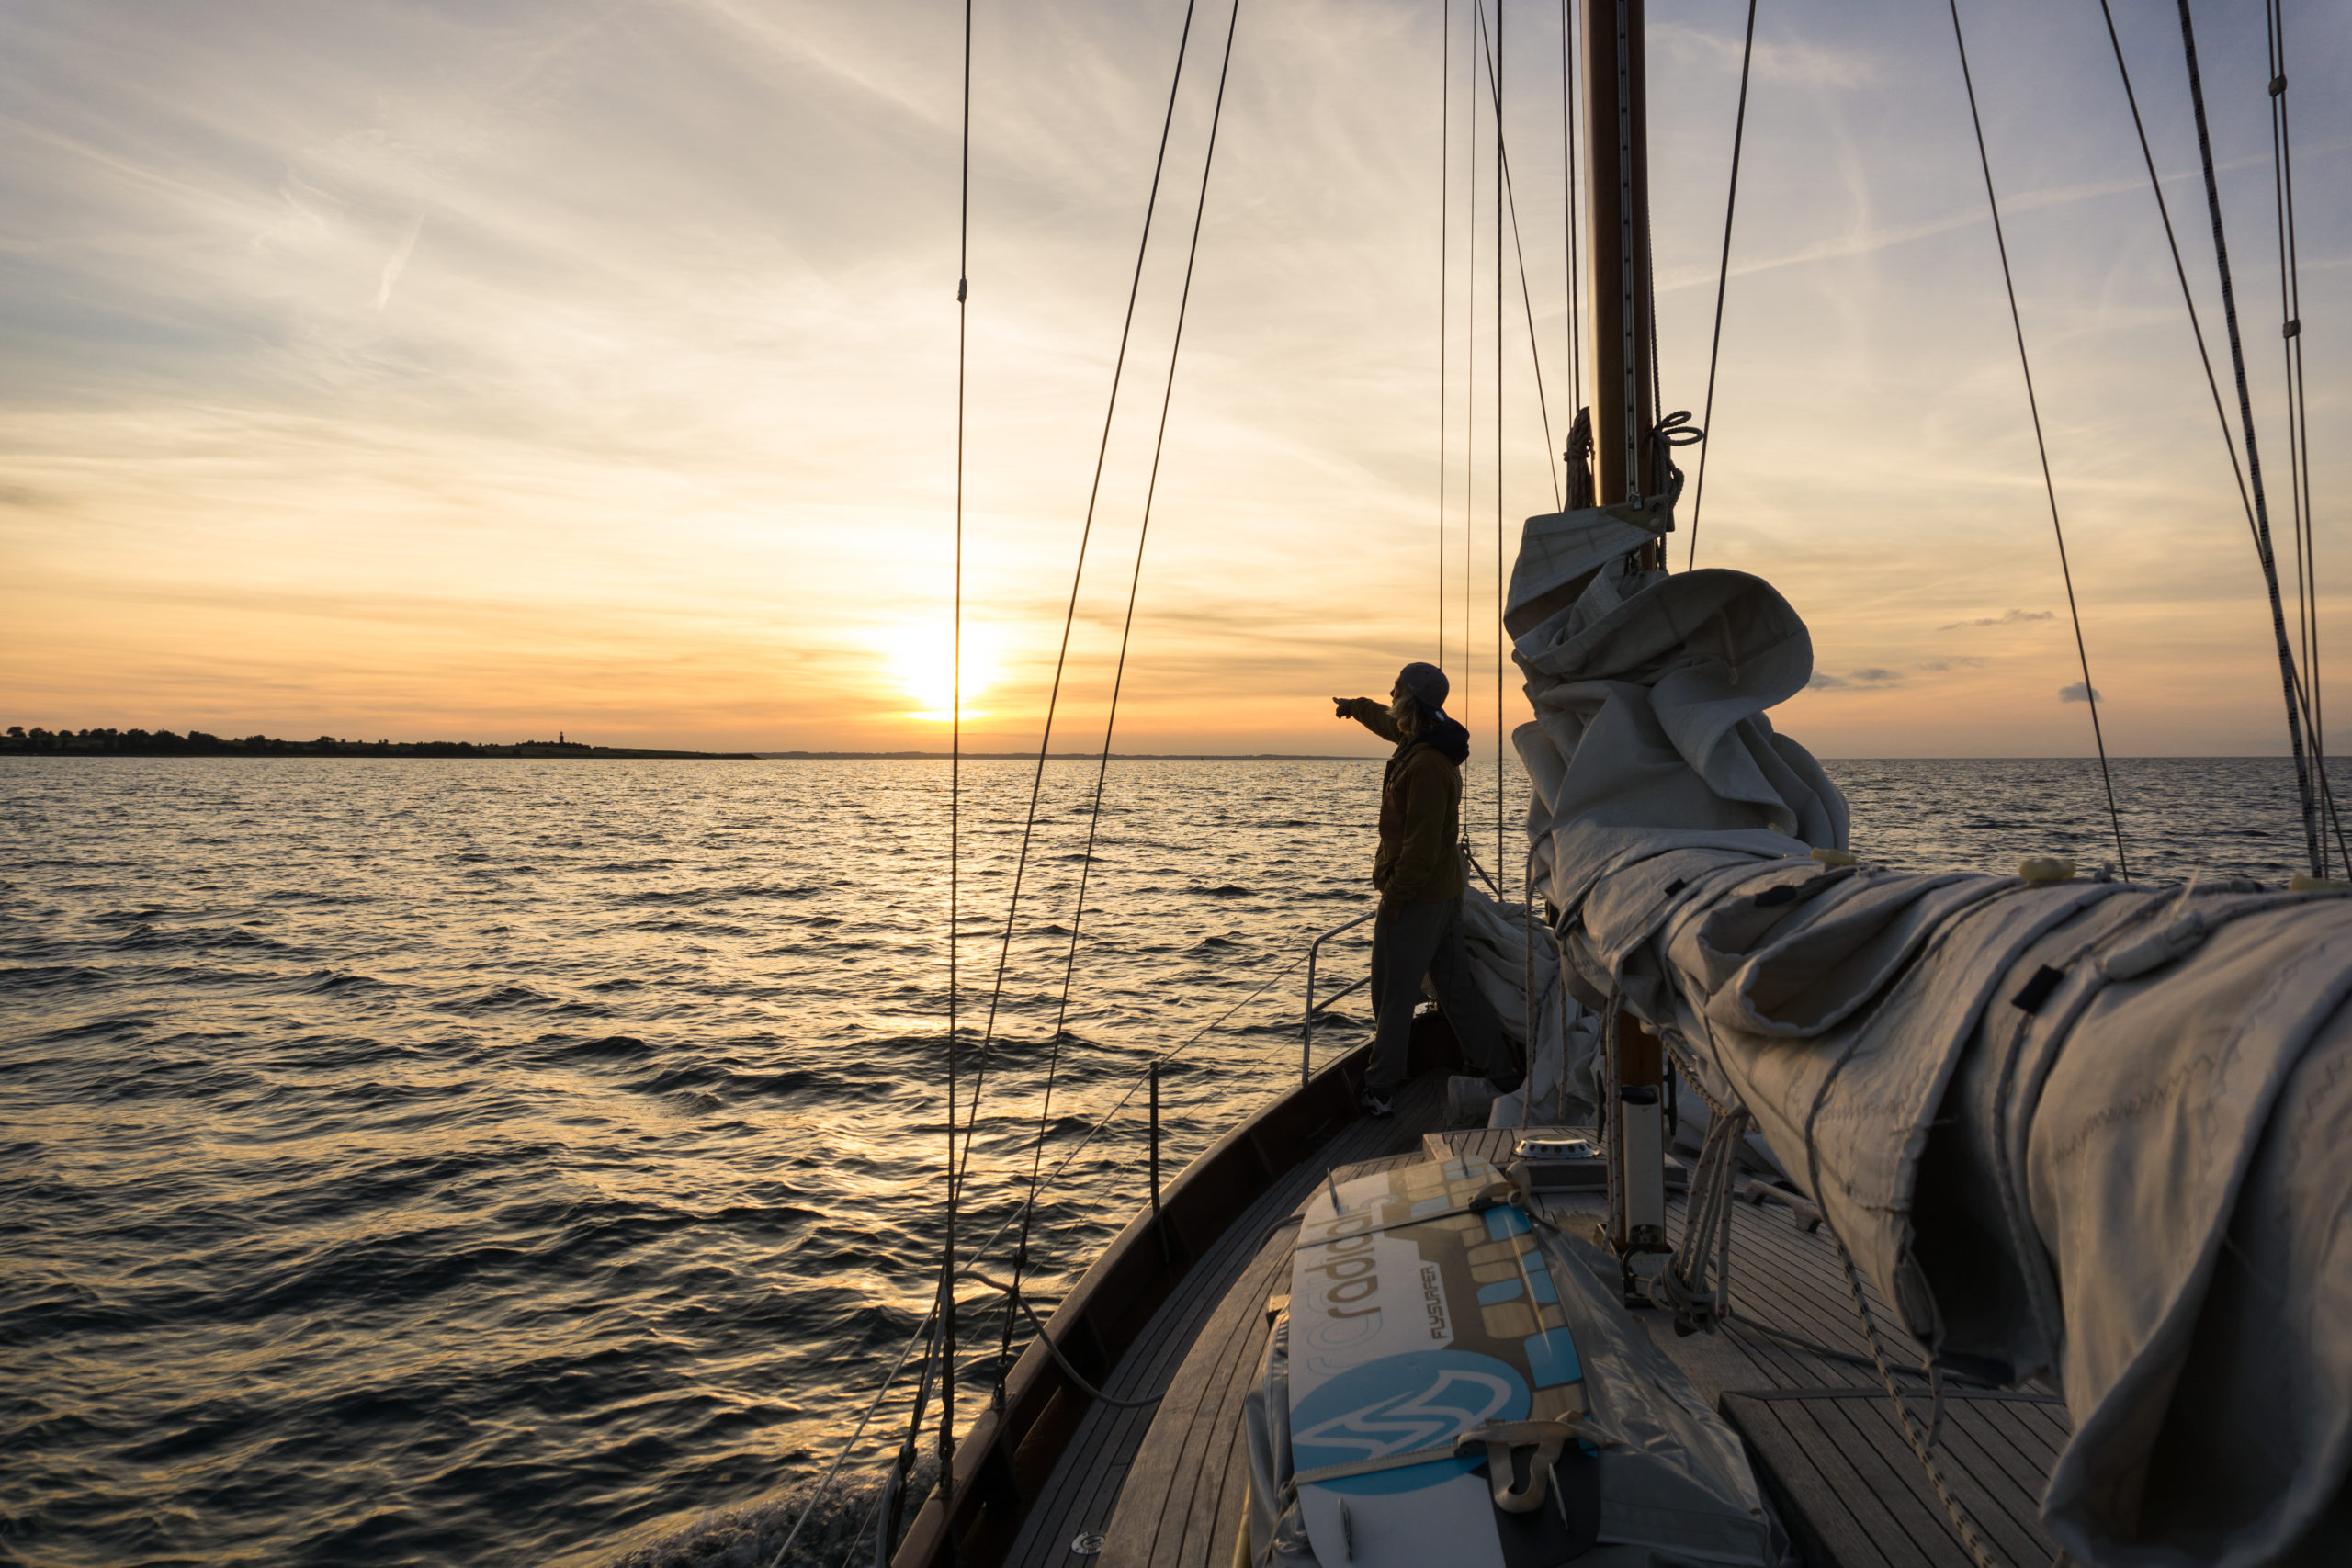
column 1422, row 1312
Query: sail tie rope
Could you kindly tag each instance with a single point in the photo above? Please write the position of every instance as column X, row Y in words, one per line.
column 1706, row 1231
column 1922, row 1440
column 1723, row 281
column 2049, row 485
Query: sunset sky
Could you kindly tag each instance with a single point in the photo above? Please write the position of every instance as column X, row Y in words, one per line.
column 477, row 370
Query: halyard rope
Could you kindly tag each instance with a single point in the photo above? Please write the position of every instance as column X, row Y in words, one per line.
column 2212, row 385
column 2290, row 344
column 1069, row 617
column 2049, row 485
column 1119, row 681
column 1723, row 280
column 2306, row 794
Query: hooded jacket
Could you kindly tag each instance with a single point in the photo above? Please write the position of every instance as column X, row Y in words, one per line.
column 1421, row 809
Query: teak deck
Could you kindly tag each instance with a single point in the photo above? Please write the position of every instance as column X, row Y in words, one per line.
column 1178, row 1302
column 1167, row 1488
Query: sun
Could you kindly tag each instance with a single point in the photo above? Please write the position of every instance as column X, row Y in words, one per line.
column 922, row 657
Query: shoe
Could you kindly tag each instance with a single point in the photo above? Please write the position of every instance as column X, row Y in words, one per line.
column 1505, row 1085
column 1374, row 1104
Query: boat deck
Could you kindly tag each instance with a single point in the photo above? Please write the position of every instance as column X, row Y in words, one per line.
column 1166, row 1488
column 1203, row 1345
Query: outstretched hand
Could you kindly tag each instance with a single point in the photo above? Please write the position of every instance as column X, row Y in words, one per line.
column 1339, row 707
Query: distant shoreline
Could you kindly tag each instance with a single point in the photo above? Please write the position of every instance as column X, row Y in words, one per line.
column 39, row 742
column 1065, row 757
column 462, row 750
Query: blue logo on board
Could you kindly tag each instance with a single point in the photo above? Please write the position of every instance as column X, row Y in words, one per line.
column 1422, row 1399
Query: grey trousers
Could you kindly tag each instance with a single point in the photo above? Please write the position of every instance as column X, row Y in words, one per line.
column 1418, row 939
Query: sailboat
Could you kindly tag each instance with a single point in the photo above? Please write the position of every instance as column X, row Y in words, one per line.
column 1848, row 1215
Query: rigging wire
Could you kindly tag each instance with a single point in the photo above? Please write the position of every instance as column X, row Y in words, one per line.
column 1518, row 245
column 2298, row 444
column 1723, row 280
column 1470, row 356
column 2049, row 485
column 1568, row 185
column 1444, row 283
column 1110, row 724
column 1502, row 180
column 890, row 1378
column 1069, row 617
column 945, row 1338
column 2205, row 359
column 2252, row 453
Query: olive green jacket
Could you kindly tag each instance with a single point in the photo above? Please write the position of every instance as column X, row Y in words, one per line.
column 1420, row 815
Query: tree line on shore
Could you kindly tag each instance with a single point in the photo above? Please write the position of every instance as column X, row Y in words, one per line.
column 198, row 743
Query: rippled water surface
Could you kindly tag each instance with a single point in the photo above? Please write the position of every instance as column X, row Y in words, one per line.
column 514, row 1161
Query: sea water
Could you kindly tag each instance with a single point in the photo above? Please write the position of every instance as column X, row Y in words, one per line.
column 523, row 1162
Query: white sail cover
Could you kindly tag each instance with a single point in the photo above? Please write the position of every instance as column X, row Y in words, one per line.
column 2089, row 1130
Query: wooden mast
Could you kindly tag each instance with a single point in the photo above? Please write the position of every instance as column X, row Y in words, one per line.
column 1621, row 361
column 1620, row 348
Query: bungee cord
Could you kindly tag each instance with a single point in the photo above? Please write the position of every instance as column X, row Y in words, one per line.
column 2041, row 449
column 1723, row 281
column 1110, row 724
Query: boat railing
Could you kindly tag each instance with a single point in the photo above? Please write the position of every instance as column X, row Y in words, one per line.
column 1145, row 1082
column 1306, row 1028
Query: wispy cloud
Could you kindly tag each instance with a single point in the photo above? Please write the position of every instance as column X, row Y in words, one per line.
column 2006, row 619
column 671, row 390
column 397, row 262
column 1869, row 677
column 2079, row 693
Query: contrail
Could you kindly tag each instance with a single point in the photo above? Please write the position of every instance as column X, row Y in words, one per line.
column 398, row 263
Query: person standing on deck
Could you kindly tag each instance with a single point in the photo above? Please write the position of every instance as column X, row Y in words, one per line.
column 1418, row 870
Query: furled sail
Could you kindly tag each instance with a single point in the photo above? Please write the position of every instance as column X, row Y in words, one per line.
column 2079, row 1129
